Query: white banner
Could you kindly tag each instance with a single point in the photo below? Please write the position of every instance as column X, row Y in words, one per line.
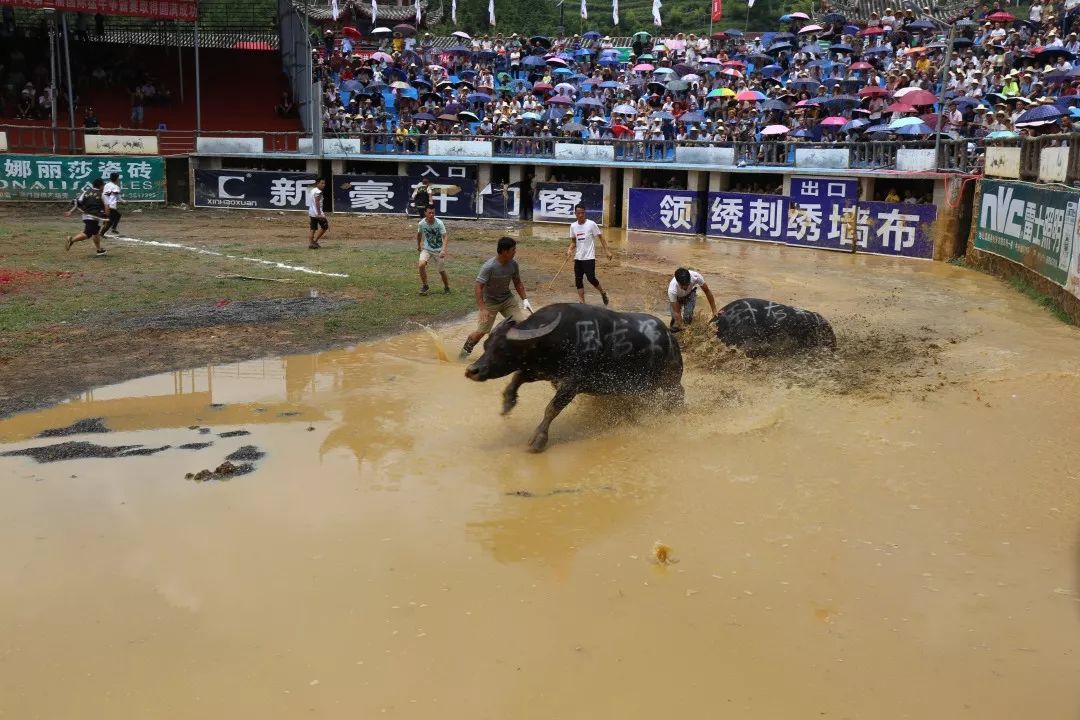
column 334, row 9
column 656, row 12
column 418, row 14
column 584, row 11
column 491, row 13
column 374, row 12
column 615, row 11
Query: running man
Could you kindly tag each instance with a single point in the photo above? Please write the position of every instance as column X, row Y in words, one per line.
column 431, row 242
column 421, row 196
column 93, row 213
column 583, row 234
column 682, row 295
column 111, row 196
column 316, row 214
column 493, row 295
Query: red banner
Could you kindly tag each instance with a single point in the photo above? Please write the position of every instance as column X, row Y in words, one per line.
column 717, row 9
column 161, row 9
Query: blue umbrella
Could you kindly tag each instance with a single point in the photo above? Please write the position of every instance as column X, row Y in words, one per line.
column 850, row 29
column 583, row 52
column 589, row 102
column 609, row 61
column 1039, row 114
column 423, row 116
column 1002, row 135
column 734, row 33
column 591, row 35
column 609, row 84
column 921, row 24
column 770, row 70
column 562, row 71
column 785, row 18
column 879, row 50
column 693, row 117
column 533, row 61
column 846, row 101
column 773, row 105
column 407, row 93
column 840, row 48
column 812, row 48
column 530, row 116
column 856, row 124
column 833, row 18
column 783, row 36
column 919, row 129
column 479, row 98
column 662, row 116
column 878, row 130
column 819, row 64
column 802, row 133
column 805, row 84
column 624, row 110
column 778, row 47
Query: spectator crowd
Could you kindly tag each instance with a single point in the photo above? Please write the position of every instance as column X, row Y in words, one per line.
column 816, row 79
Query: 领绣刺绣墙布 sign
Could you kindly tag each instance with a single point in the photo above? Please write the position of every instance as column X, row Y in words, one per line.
column 60, row 178
column 672, row 211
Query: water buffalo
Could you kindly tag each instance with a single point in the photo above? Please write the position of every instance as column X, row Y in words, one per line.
column 582, row 349
column 762, row 326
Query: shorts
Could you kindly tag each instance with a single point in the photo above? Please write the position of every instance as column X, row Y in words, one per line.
column 585, row 269
column 319, row 222
column 688, row 304
column 91, row 228
column 428, row 255
column 509, row 308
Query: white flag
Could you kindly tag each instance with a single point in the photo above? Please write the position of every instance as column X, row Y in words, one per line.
column 453, row 11
column 750, row 3
column 491, row 13
column 374, row 12
column 418, row 13
column 334, row 9
column 584, row 11
column 656, row 12
column 615, row 11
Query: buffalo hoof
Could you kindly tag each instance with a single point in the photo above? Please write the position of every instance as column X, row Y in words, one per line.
column 539, row 442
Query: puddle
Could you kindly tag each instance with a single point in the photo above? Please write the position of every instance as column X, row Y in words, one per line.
column 906, row 552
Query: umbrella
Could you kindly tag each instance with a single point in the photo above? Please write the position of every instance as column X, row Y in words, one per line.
column 802, row 133
column 778, row 47
column 930, row 119
column 812, row 49
column 663, row 71
column 840, row 48
column 721, row 92
column 382, row 31
column 350, row 32
column 452, row 108
column 810, row 29
column 899, row 107
column 399, row 85
column 691, row 77
column 919, row 97
column 692, row 117
column 750, row 96
column 776, row 130
column 799, row 16
column 423, row 116
column 735, row 64
column 860, row 66
column 921, row 24
column 1000, row 16
column 835, row 121
column 880, row 50
column 467, row 116
column 448, row 117
column 805, row 84
column 905, row 122
column 642, row 67
column 556, row 61
column 774, row 105
column 919, row 128
column 530, row 116
column 870, row 31
column 624, row 110
column 479, row 98
column 405, row 29
column 710, row 61
column 731, row 72
column 540, row 40
column 662, row 116
column 770, row 70
column 655, row 87
column 1047, row 54
column 856, row 124
column 841, row 100
column 734, row 32
column 620, row 130
column 457, row 50
column 563, row 71
column 409, row 93
column 961, row 42
column 609, row 84
column 461, row 34
column 1039, row 113
column 783, row 36
column 1002, row 135
column 533, row 61
column 541, row 87
column 640, row 33
column 560, row 100
column 573, row 127
column 589, row 102
column 646, row 56
column 381, row 57
column 591, row 35
column 678, row 86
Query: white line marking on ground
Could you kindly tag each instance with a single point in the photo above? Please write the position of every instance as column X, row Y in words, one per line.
column 203, row 251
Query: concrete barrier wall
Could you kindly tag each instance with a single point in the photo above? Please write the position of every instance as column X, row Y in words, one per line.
column 705, row 155
column 593, row 153
column 460, row 148
column 913, row 160
column 822, row 158
column 342, row 146
column 1053, row 164
column 228, row 145
column 1003, row 162
column 121, row 144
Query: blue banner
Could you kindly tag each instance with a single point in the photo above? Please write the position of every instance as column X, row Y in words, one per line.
column 881, row 228
column 371, row 193
column 824, row 189
column 554, row 202
column 451, row 198
column 500, row 200
column 252, row 189
column 747, row 217
column 671, row 211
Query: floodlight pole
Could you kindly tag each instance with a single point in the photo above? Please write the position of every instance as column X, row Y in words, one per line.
column 198, row 79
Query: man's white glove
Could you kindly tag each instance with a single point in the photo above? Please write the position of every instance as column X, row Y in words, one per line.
column 527, row 305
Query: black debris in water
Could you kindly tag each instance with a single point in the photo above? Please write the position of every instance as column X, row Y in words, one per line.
column 87, row 425
column 288, row 414
column 247, row 452
column 78, row 450
column 194, row 446
column 233, row 433
column 204, row 431
column 224, row 471
column 192, row 427
column 217, row 406
column 556, row 491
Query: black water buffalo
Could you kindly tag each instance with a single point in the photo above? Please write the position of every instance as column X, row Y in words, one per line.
column 761, row 326
column 582, row 349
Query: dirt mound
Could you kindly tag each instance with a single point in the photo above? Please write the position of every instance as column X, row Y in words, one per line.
column 247, row 452
column 869, row 360
column 86, row 425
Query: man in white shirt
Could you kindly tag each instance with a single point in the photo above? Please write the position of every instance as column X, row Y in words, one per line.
column 583, row 235
column 682, row 296
column 110, row 195
column 316, row 215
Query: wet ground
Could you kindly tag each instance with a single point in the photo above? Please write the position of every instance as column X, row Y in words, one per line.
column 887, row 532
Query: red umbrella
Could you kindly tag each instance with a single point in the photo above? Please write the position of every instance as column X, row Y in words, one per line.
column 899, row 107
column 620, row 130
column 735, row 64
column 861, row 66
column 874, row 91
column 541, row 87
column 350, row 32
column 1000, row 16
column 918, row 98
column 871, row 31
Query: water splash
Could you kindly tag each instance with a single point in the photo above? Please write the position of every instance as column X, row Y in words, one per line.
column 440, row 349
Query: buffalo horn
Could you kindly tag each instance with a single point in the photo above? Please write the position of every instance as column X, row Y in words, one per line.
column 516, row 333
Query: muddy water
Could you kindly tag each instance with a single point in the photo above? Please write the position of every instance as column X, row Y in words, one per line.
column 891, row 533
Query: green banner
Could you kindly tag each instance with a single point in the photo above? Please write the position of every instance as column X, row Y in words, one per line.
column 61, row 177
column 1033, row 225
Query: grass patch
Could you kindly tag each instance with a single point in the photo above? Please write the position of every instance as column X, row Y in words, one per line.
column 1041, row 299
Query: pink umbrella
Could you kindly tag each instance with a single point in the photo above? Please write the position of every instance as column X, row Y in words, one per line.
column 799, row 16
column 381, row 57
column 811, row 28
column 776, row 130
column 899, row 107
column 750, row 96
column 874, row 91
column 871, row 31
column 861, row 66
column 834, row 120
column 735, row 64
column 731, row 72
column 643, row 67
column 804, row 103
column 560, row 100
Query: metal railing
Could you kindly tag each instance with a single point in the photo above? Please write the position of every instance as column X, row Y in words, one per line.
column 38, row 139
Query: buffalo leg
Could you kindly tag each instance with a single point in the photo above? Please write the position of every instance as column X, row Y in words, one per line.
column 563, row 395
column 510, row 394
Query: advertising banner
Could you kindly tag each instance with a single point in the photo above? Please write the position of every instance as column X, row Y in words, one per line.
column 252, row 189
column 747, row 217
column 823, row 189
column 1032, row 225
column 51, row 177
column 500, row 200
column 371, row 193
column 896, row 229
column 671, row 211
column 555, row 202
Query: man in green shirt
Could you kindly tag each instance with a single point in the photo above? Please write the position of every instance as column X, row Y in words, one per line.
column 431, row 242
